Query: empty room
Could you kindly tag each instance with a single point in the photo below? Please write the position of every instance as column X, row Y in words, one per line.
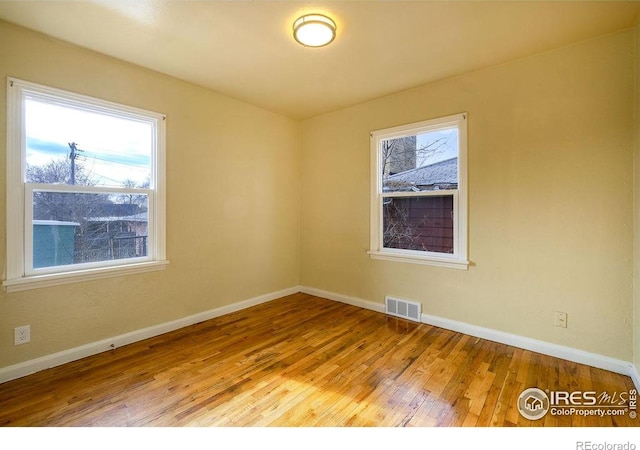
column 348, row 214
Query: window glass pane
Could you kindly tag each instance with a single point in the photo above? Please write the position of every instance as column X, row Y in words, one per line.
column 418, row 223
column 66, row 145
column 76, row 228
column 422, row 162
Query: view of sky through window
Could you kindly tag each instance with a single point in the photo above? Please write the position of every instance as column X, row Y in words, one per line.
column 111, row 150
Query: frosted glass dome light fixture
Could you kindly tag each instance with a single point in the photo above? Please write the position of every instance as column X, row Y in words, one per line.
column 314, row 30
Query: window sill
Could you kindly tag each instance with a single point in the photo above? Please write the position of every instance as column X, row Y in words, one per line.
column 451, row 263
column 40, row 281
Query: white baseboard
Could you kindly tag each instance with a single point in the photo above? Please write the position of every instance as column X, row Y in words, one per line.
column 635, row 376
column 35, row 365
column 546, row 348
column 354, row 301
column 534, row 345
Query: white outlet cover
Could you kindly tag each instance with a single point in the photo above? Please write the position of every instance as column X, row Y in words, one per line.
column 560, row 319
column 22, row 335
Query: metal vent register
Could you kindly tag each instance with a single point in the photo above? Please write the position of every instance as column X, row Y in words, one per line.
column 403, row 308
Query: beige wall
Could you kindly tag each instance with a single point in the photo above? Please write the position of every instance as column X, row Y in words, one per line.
column 258, row 202
column 232, row 203
column 636, row 205
column 550, row 141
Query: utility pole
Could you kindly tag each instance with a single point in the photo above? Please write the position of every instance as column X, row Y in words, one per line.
column 73, row 155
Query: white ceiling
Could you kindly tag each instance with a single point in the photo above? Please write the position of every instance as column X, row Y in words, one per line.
column 244, row 49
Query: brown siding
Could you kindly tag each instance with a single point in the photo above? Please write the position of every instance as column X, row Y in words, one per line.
column 419, row 223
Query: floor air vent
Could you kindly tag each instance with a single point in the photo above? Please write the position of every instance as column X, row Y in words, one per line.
column 403, row 308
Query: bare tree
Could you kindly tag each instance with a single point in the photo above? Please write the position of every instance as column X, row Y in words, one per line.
column 56, row 205
column 399, row 229
column 401, row 154
column 136, row 199
column 57, row 171
column 92, row 212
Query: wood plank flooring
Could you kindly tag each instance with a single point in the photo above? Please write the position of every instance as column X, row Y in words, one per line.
column 303, row 361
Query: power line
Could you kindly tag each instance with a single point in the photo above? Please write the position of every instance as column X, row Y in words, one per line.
column 114, row 162
column 73, row 156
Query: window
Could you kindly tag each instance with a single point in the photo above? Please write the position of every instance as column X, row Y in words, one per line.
column 85, row 188
column 419, row 193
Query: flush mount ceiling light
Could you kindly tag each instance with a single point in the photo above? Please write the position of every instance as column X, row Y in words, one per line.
column 314, row 30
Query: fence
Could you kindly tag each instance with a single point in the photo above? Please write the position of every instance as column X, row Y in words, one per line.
column 107, row 249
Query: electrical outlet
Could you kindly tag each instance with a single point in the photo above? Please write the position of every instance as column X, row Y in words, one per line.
column 560, row 319
column 21, row 335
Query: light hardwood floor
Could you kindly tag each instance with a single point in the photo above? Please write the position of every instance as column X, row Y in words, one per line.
column 302, row 361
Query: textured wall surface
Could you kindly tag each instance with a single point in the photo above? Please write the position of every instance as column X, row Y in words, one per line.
column 550, row 144
column 232, row 203
column 257, row 202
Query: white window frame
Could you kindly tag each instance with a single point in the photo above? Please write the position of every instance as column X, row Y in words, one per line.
column 458, row 259
column 19, row 271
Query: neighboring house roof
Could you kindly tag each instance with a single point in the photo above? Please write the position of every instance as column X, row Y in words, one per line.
column 439, row 175
column 140, row 217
